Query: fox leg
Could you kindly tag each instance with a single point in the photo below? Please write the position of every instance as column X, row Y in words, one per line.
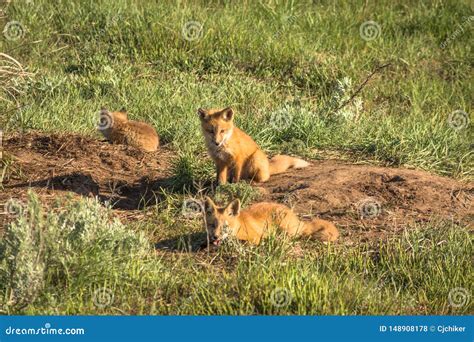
column 262, row 175
column 221, row 173
column 257, row 168
column 237, row 172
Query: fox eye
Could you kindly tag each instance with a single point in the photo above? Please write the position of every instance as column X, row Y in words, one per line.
column 222, row 130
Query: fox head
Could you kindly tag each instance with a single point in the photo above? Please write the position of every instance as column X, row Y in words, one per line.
column 107, row 120
column 220, row 220
column 217, row 125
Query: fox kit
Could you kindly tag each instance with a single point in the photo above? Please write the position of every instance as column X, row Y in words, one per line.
column 117, row 129
column 258, row 220
column 235, row 153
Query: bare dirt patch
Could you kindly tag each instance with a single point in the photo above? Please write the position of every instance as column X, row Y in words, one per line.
column 65, row 163
column 368, row 200
column 365, row 201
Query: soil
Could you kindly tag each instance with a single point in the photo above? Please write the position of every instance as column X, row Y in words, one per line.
column 368, row 201
column 364, row 201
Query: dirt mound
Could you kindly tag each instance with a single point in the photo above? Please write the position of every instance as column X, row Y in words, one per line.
column 365, row 201
column 121, row 175
column 370, row 199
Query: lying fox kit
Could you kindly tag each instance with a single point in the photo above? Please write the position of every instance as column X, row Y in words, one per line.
column 117, row 129
column 259, row 220
column 235, row 153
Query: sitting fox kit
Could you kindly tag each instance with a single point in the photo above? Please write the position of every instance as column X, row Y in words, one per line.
column 117, row 129
column 235, row 153
column 258, row 221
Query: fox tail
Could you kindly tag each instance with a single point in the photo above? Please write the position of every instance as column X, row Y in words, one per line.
column 281, row 163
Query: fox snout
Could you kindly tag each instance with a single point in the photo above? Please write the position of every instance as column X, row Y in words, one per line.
column 214, row 239
column 216, row 140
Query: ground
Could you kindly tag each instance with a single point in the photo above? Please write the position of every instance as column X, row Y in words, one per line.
column 365, row 201
column 377, row 95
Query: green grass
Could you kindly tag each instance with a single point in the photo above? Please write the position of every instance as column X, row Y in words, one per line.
column 81, row 261
column 260, row 58
column 272, row 59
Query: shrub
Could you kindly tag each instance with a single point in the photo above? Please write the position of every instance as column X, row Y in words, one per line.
column 42, row 247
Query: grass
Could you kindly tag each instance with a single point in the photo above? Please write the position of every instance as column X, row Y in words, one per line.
column 260, row 58
column 79, row 260
column 285, row 66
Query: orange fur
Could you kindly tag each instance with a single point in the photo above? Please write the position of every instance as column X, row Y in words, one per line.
column 235, row 153
column 120, row 130
column 259, row 220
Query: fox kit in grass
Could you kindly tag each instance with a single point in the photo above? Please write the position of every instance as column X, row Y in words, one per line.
column 117, row 129
column 258, row 220
column 235, row 153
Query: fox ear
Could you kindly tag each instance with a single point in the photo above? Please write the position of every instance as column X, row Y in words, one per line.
column 209, row 206
column 202, row 113
column 227, row 114
column 233, row 208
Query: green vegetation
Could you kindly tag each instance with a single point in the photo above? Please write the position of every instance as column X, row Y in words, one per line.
column 82, row 261
column 260, row 58
column 286, row 67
